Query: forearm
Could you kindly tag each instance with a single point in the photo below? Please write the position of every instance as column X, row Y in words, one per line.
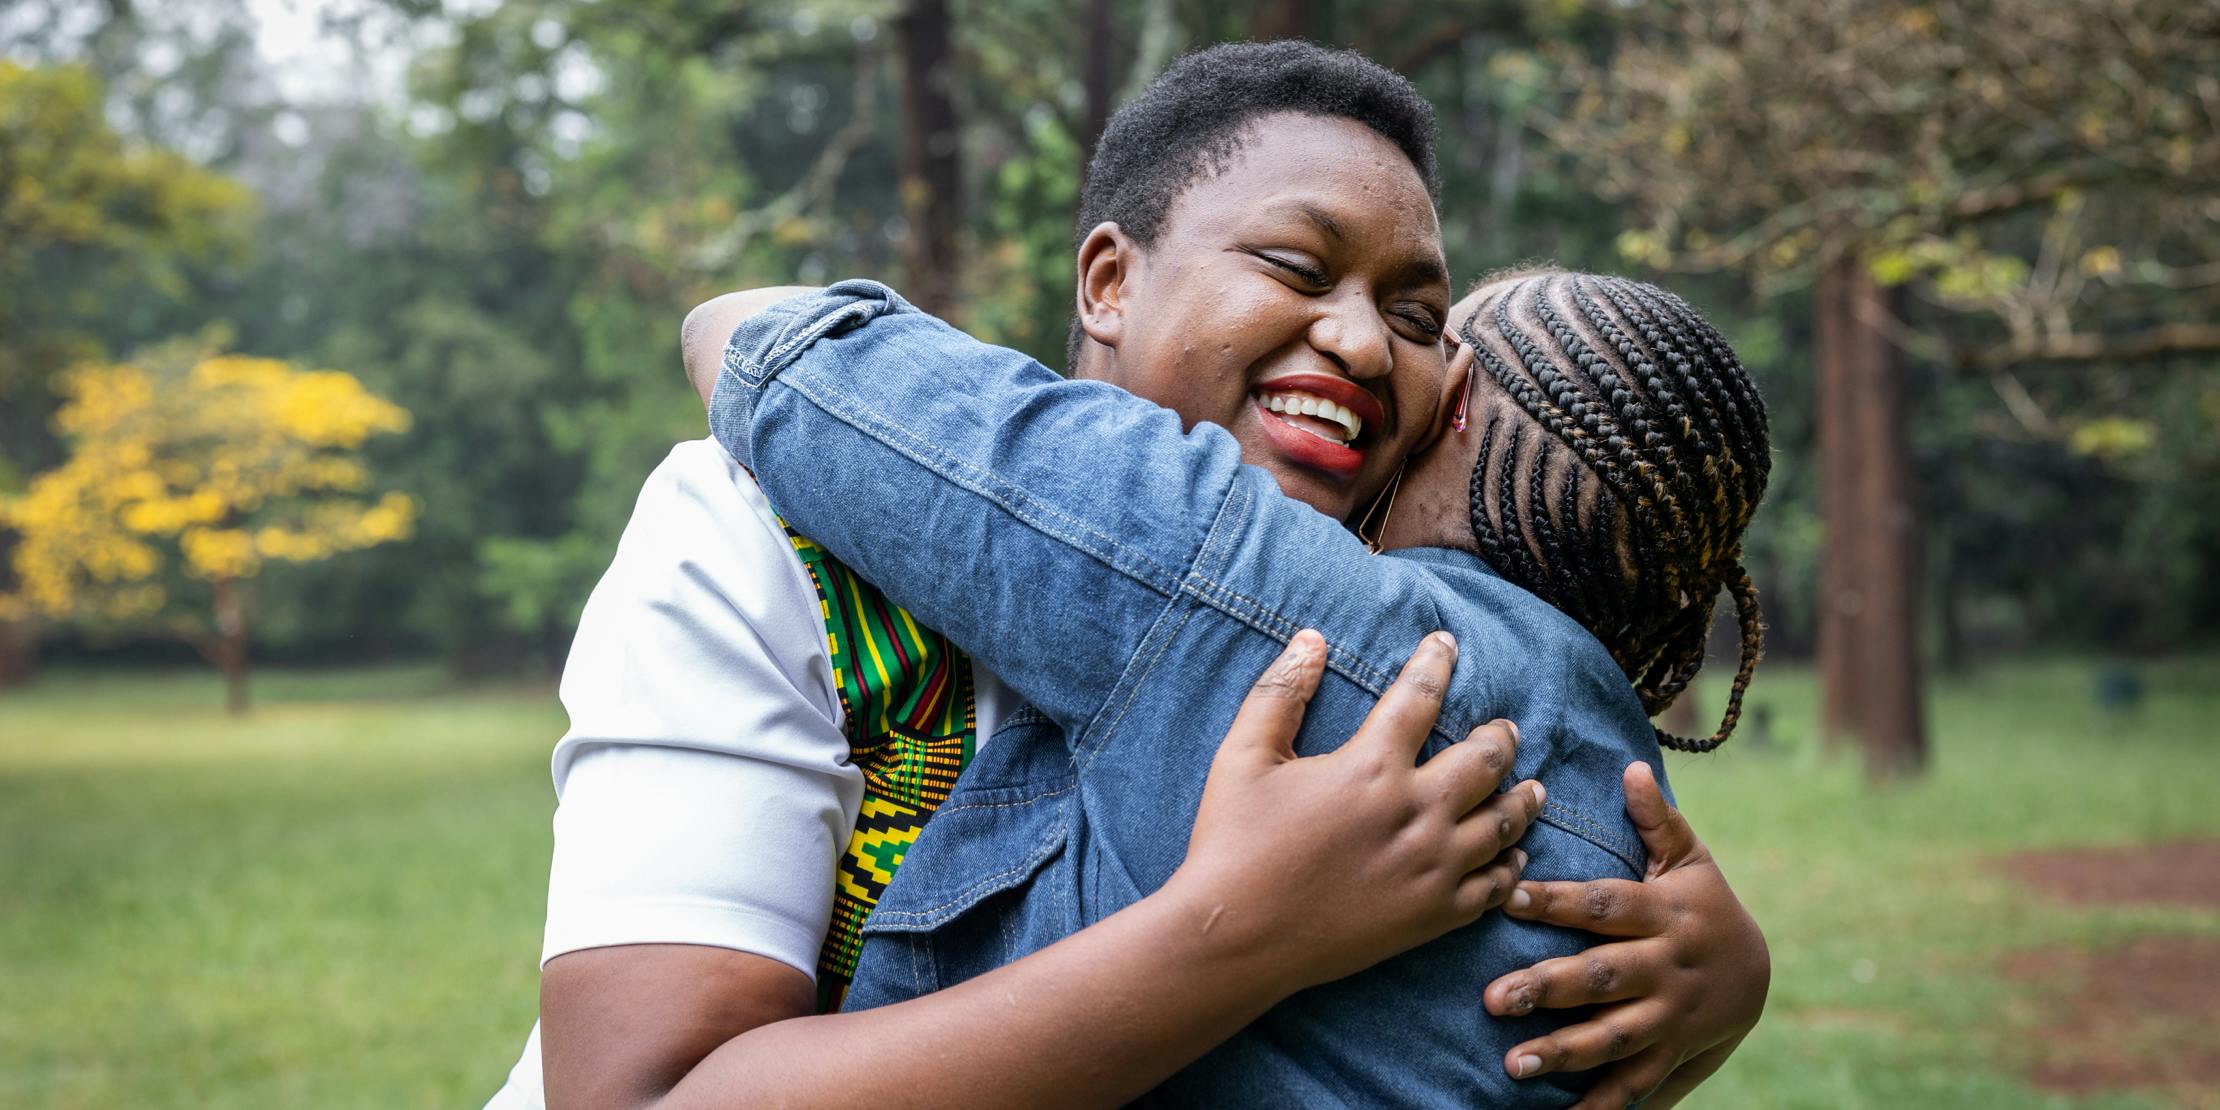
column 980, row 491
column 1093, row 1020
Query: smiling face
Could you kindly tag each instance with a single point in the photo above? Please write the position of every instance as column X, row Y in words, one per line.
column 1295, row 298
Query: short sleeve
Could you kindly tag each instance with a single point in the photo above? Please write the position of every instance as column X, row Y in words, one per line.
column 705, row 793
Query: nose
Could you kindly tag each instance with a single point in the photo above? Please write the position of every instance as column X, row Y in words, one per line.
column 1353, row 333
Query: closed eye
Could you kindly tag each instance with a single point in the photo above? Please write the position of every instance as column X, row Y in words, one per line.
column 1429, row 325
column 1309, row 274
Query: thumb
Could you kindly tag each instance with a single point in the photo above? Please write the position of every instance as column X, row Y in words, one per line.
column 1264, row 729
column 1665, row 833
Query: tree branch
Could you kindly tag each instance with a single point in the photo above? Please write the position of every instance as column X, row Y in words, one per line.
column 2157, row 342
column 2011, row 196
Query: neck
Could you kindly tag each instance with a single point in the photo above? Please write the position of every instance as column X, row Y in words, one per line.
column 1434, row 507
column 1094, row 362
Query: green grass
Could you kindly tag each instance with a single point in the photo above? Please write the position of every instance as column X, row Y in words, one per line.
column 334, row 903
column 1886, row 921
column 337, row 901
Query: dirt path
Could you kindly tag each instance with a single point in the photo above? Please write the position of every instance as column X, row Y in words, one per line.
column 2183, row 873
column 2144, row 1015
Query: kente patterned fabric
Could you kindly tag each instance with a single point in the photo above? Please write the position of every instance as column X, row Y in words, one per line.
column 907, row 702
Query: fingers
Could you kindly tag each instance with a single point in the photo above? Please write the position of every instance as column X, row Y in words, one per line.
column 1485, row 889
column 1612, row 907
column 1613, row 1034
column 1398, row 725
column 1264, row 728
column 1468, row 772
column 1489, row 830
column 1605, row 973
column 1665, row 833
column 1629, row 1081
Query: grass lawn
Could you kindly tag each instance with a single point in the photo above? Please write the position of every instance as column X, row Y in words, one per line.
column 337, row 902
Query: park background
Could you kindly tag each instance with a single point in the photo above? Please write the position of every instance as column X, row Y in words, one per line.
column 337, row 336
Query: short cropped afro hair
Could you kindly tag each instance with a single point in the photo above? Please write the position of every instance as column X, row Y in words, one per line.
column 1192, row 119
column 1189, row 122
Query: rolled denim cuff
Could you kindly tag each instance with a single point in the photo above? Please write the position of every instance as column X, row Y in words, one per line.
column 770, row 341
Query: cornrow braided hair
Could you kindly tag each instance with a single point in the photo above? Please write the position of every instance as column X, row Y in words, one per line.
column 1618, row 471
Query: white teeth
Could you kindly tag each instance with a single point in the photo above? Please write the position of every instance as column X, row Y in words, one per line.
column 1303, row 404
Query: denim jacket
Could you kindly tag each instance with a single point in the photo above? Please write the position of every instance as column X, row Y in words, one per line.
column 1130, row 579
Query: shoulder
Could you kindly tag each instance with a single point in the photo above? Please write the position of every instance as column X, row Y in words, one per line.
column 699, row 484
column 705, row 628
column 703, row 543
column 702, row 523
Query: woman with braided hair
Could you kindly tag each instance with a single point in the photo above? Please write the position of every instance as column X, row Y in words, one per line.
column 1595, row 454
column 1618, row 450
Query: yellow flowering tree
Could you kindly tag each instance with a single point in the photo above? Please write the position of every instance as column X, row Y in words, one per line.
column 188, row 472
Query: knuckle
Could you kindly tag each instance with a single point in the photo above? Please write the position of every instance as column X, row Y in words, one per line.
column 1599, row 903
column 1492, row 754
column 1367, row 764
column 1599, row 974
column 1618, row 1040
column 1486, row 893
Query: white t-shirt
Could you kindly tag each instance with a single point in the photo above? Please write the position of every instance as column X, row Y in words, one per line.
column 704, row 789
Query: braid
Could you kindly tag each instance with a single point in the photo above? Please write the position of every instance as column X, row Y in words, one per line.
column 1660, row 442
column 1753, row 645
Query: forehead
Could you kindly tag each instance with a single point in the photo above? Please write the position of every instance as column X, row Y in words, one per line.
column 1287, row 163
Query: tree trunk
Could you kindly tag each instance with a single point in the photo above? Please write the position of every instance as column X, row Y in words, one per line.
column 230, row 644
column 1869, row 634
column 19, row 653
column 932, row 165
column 1096, row 80
column 1840, row 601
column 1281, row 19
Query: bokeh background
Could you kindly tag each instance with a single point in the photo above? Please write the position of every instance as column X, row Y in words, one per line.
column 336, row 337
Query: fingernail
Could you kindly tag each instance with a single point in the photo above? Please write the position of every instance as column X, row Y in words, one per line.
column 1528, row 1065
column 1520, row 899
column 1444, row 639
column 1541, row 794
column 1521, row 853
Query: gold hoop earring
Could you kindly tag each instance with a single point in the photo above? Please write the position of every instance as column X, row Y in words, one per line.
column 1373, row 524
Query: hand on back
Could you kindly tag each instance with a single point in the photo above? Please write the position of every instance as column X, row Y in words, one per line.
column 1677, row 984
column 1335, row 862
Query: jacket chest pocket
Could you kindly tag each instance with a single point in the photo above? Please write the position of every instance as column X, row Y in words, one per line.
column 984, row 885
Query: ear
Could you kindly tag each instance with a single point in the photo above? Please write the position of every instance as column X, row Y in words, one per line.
column 1453, row 385
column 1107, row 260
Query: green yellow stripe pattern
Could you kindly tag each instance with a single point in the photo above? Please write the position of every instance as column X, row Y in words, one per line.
column 908, row 706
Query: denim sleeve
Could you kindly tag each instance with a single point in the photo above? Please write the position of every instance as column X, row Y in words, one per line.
column 941, row 469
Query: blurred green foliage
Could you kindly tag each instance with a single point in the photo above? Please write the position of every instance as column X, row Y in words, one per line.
column 503, row 239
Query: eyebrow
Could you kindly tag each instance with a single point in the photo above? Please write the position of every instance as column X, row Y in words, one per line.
column 1418, row 271
column 1426, row 271
column 1324, row 219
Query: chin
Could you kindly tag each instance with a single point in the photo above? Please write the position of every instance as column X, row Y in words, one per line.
column 1314, row 491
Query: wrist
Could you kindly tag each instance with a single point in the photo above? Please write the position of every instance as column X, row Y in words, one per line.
column 1240, row 950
